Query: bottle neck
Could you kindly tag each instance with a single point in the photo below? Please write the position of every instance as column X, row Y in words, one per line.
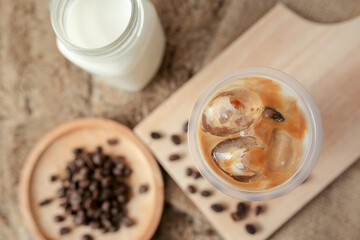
column 58, row 15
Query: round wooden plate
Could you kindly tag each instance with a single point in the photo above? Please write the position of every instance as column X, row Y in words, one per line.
column 50, row 157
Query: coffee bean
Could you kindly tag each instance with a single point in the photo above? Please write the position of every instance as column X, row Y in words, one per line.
column 98, row 149
column 87, row 237
column 186, row 126
column 122, row 189
column 105, row 206
column 106, row 222
column 45, row 202
column 117, row 172
column 64, row 230
column 127, row 222
column 196, row 174
column 97, row 159
column 209, row 232
column 122, row 198
column 143, row 188
column 236, row 216
column 258, row 210
column 87, row 194
column 59, row 218
column 84, row 184
column 91, row 204
column 206, row 193
column 127, row 172
column 174, row 157
column 189, row 172
column 155, row 135
column 120, row 166
column 84, row 171
column 98, row 174
column 242, row 208
column 250, row 228
column 54, row 178
column 176, row 139
column 77, row 151
column 105, row 182
column 79, row 163
column 217, row 207
column 112, row 141
column 79, row 218
column 191, row 189
column 93, row 186
column 273, row 114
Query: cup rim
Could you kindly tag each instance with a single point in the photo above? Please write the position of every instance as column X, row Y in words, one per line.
column 309, row 158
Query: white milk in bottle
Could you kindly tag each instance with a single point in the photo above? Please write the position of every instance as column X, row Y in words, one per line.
column 121, row 42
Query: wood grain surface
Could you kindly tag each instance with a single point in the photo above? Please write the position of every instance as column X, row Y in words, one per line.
column 325, row 59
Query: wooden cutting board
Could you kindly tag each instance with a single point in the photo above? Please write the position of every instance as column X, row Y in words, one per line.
column 325, row 59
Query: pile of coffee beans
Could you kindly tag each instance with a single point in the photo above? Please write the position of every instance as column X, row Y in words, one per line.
column 95, row 191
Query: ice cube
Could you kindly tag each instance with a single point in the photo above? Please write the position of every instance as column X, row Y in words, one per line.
column 281, row 155
column 230, row 157
column 232, row 112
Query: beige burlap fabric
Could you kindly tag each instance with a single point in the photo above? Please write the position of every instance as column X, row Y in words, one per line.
column 40, row 89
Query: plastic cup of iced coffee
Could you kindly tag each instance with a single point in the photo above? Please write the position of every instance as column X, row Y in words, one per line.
column 255, row 134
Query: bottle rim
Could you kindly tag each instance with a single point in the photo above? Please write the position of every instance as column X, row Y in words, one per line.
column 58, row 11
column 309, row 157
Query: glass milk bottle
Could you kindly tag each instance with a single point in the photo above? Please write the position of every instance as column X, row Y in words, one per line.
column 121, row 42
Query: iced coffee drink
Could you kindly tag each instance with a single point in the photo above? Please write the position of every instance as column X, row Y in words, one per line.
column 253, row 133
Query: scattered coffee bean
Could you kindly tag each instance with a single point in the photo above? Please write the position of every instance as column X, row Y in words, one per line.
column 155, row 135
column 176, row 139
column 217, row 207
column 143, row 188
column 206, row 193
column 196, row 174
column 128, row 222
column 250, row 228
column 273, row 114
column 242, row 209
column 59, row 218
column 191, row 189
column 186, row 126
column 54, row 178
column 174, row 157
column 189, row 172
column 258, row 210
column 77, row 151
column 209, row 232
column 64, row 230
column 45, row 202
column 236, row 216
column 112, row 141
column 87, row 237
